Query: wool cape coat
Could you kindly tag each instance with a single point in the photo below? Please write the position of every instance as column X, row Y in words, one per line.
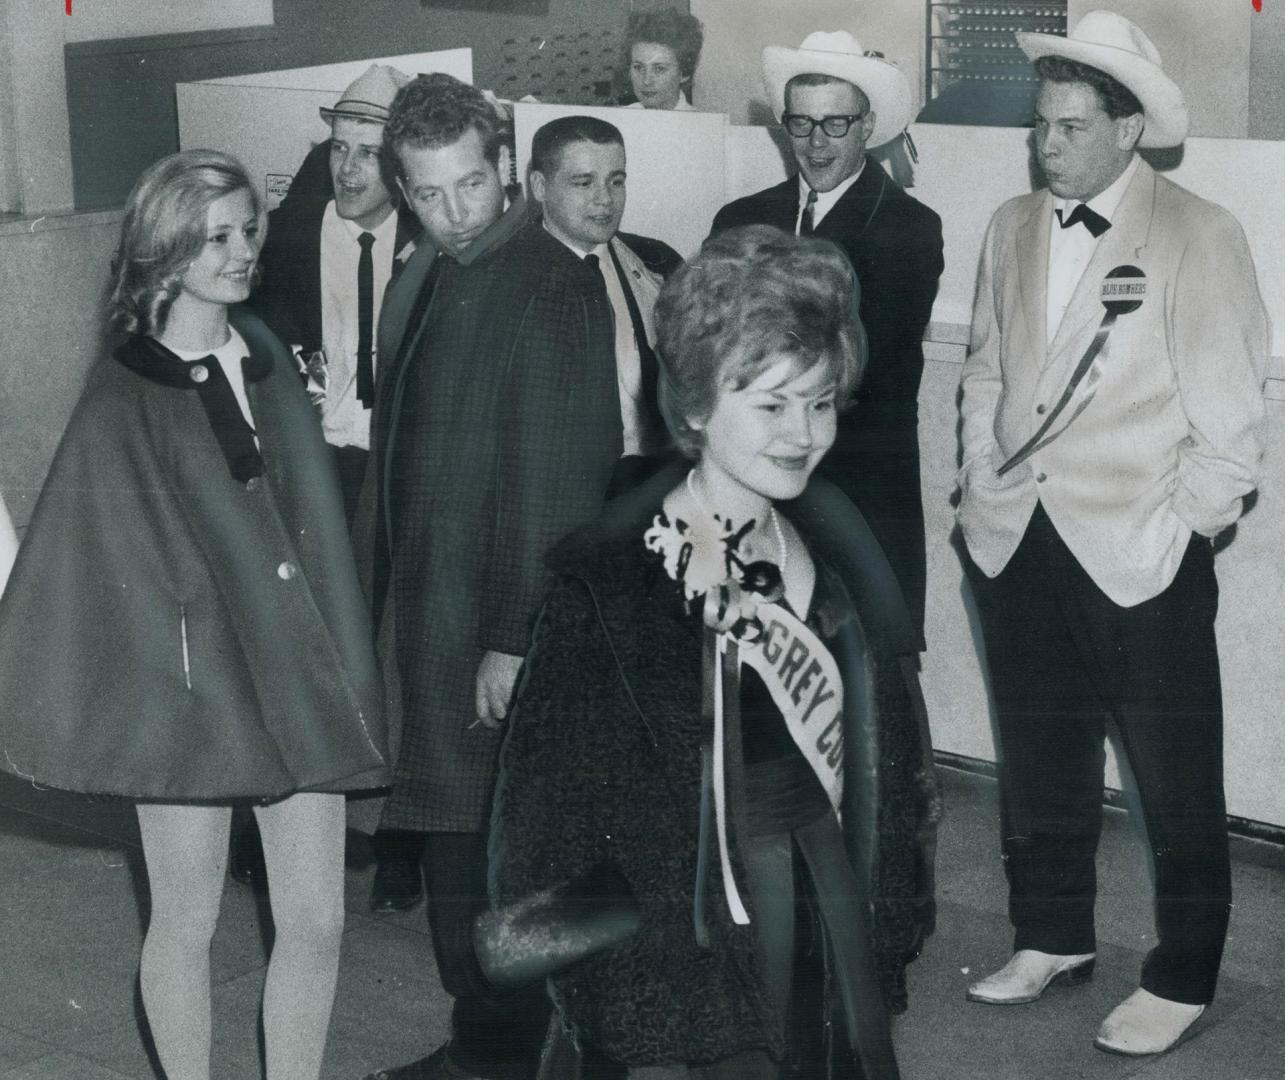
column 895, row 246
column 172, row 632
column 603, row 761
column 495, row 432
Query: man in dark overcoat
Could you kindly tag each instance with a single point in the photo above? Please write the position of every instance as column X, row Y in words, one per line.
column 834, row 101
column 496, row 430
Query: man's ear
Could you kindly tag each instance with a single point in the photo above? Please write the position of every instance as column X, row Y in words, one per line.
column 504, row 165
column 535, row 181
column 867, row 124
column 1129, row 130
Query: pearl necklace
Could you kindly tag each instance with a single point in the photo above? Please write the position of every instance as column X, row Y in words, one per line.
column 771, row 516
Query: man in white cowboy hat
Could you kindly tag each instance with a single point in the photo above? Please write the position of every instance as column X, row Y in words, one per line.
column 1111, row 407
column 835, row 100
column 331, row 251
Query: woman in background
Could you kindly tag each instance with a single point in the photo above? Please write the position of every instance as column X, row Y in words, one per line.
column 723, row 674
column 183, row 625
column 662, row 49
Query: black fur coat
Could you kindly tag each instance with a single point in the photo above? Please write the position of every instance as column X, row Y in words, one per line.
column 602, row 761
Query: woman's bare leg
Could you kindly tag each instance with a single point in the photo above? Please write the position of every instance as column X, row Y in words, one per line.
column 303, row 845
column 185, row 849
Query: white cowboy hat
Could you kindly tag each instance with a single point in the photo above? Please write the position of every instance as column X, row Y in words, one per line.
column 369, row 95
column 1111, row 43
column 837, row 53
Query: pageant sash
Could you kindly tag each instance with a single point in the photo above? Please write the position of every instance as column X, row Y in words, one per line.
column 805, row 685
column 804, row 682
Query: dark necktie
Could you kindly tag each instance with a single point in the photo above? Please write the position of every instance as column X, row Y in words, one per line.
column 365, row 321
column 806, row 222
column 1082, row 215
column 592, row 260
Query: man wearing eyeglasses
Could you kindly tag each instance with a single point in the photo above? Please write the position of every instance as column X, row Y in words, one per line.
column 835, row 101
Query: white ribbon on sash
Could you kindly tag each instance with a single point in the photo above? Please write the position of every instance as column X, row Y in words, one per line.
column 804, row 682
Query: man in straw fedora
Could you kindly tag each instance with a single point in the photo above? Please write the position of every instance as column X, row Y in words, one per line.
column 333, row 248
column 1111, row 407
column 835, row 101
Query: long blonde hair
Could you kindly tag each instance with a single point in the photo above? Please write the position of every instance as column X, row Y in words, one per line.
column 164, row 230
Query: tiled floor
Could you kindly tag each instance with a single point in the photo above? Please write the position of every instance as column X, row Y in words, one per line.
column 70, row 927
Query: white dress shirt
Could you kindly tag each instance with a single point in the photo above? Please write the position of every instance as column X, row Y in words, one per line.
column 825, row 199
column 344, row 420
column 1071, row 249
column 628, row 362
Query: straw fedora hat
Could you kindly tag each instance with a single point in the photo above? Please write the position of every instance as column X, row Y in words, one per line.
column 369, row 96
column 1111, row 43
column 840, row 55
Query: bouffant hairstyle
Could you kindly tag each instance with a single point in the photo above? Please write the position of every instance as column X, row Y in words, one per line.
column 164, row 230
column 437, row 110
column 679, row 31
column 750, row 296
column 552, row 138
column 1117, row 99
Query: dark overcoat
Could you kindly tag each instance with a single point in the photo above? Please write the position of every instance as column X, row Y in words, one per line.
column 603, row 761
column 894, row 243
column 171, row 631
column 495, row 432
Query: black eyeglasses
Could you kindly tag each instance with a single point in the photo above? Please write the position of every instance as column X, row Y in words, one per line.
column 801, row 127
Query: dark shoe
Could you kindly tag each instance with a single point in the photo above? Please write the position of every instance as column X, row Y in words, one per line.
column 399, row 884
column 437, row 1066
column 245, row 860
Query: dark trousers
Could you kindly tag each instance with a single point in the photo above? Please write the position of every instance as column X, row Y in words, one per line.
column 492, row 1034
column 351, row 462
column 1063, row 657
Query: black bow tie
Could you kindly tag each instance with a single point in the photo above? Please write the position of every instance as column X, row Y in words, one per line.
column 1082, row 215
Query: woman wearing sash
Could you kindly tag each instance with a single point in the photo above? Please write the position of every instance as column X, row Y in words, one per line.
column 720, row 703
column 183, row 625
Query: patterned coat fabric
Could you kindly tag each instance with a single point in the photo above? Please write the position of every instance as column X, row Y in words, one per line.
column 498, row 436
column 171, row 632
column 602, row 761
column 894, row 243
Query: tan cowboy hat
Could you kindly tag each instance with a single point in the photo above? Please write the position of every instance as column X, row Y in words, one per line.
column 838, row 54
column 369, row 96
column 1111, row 43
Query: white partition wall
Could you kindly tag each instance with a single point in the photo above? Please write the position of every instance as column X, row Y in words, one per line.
column 270, row 120
column 675, row 163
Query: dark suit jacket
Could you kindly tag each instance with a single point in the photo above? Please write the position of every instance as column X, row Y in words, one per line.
column 894, row 243
column 288, row 296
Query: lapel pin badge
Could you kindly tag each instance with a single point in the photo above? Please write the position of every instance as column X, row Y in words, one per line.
column 1123, row 290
